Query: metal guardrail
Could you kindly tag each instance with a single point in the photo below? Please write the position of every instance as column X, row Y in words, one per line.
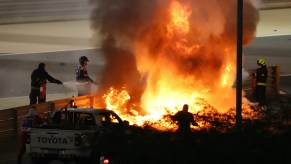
column 10, row 119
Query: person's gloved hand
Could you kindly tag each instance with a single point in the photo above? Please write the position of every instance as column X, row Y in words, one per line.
column 59, row 82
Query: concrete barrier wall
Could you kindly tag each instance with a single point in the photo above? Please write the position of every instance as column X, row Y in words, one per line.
column 28, row 11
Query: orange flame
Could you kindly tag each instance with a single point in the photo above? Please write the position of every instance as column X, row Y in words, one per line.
column 115, row 99
column 180, row 16
column 168, row 86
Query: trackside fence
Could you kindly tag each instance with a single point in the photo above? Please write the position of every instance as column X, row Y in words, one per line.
column 10, row 119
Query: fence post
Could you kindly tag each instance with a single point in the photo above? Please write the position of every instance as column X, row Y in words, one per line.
column 276, row 69
column 91, row 101
column 52, row 107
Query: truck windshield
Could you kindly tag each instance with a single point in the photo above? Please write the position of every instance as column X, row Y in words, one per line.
column 74, row 118
column 108, row 119
column 84, row 118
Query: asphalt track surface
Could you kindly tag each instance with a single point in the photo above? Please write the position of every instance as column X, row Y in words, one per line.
column 15, row 70
column 276, row 50
column 15, row 73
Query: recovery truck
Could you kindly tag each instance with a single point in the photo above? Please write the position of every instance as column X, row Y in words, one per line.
column 73, row 134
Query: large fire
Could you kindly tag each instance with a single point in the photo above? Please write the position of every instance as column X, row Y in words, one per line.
column 164, row 54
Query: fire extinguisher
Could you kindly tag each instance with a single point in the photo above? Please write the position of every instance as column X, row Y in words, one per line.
column 42, row 94
column 253, row 81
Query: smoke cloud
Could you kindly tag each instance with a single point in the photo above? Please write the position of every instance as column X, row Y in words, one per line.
column 144, row 48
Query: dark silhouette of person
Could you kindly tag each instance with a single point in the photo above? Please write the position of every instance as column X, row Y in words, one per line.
column 39, row 79
column 184, row 119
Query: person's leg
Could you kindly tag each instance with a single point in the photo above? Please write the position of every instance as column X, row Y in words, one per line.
column 88, row 89
column 84, row 89
column 260, row 95
column 41, row 98
column 80, row 90
column 33, row 96
column 256, row 94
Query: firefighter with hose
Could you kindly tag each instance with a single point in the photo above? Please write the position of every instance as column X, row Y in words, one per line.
column 39, row 78
column 83, row 80
column 261, row 75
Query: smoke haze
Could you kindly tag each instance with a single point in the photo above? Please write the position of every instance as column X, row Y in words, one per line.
column 151, row 55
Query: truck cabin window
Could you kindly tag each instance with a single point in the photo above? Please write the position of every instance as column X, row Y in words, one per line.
column 85, row 119
column 74, row 118
column 108, row 119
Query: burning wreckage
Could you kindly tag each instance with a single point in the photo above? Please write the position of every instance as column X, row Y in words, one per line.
column 161, row 54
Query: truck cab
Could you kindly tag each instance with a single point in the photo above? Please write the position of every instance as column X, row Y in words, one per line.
column 71, row 134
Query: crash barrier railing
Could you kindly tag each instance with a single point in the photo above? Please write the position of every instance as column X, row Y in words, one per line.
column 273, row 81
column 10, row 119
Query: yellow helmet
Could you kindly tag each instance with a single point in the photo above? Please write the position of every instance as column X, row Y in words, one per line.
column 261, row 62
